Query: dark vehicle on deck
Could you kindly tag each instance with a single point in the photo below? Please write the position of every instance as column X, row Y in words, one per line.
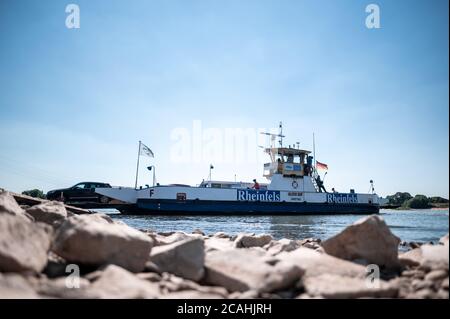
column 80, row 193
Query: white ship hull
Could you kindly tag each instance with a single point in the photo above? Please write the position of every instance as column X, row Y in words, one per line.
column 282, row 196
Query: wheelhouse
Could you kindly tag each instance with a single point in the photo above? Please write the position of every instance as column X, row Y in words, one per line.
column 290, row 162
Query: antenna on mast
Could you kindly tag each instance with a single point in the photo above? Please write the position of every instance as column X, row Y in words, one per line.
column 274, row 136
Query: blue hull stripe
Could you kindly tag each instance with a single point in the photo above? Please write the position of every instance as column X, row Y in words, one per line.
column 203, row 207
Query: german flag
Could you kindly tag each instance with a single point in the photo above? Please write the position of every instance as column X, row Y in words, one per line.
column 322, row 166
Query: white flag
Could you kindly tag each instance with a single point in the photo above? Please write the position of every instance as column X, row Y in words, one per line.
column 145, row 151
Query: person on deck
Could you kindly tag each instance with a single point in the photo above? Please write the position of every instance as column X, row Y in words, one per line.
column 320, row 184
column 279, row 166
column 308, row 170
column 255, row 185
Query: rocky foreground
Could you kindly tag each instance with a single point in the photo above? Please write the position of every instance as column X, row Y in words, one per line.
column 47, row 251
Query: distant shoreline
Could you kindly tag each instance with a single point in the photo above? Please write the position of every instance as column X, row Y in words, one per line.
column 401, row 208
column 405, row 201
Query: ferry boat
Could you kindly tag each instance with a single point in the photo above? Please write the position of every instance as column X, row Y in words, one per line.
column 294, row 188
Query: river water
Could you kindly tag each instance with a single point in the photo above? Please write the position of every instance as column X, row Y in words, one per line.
column 409, row 225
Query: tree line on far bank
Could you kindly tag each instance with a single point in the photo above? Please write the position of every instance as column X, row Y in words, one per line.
column 405, row 200
column 37, row 193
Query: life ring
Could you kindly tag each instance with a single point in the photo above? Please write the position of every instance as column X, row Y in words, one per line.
column 294, row 184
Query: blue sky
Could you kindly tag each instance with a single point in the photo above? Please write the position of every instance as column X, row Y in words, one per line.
column 75, row 102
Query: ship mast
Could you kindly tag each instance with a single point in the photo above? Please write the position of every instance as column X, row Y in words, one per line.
column 314, row 151
column 281, row 134
column 274, row 136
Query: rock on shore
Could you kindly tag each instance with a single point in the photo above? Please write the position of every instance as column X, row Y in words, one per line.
column 115, row 282
column 184, row 258
column 246, row 241
column 8, row 205
column 339, row 287
column 93, row 240
column 39, row 246
column 369, row 240
column 14, row 286
column 314, row 263
column 239, row 270
column 52, row 213
column 23, row 244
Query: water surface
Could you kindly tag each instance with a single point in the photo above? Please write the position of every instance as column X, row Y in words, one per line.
column 411, row 225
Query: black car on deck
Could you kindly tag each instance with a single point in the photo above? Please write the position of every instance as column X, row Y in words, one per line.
column 80, row 193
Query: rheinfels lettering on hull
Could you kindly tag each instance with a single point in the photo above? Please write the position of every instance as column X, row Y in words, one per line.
column 342, row 198
column 258, row 195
